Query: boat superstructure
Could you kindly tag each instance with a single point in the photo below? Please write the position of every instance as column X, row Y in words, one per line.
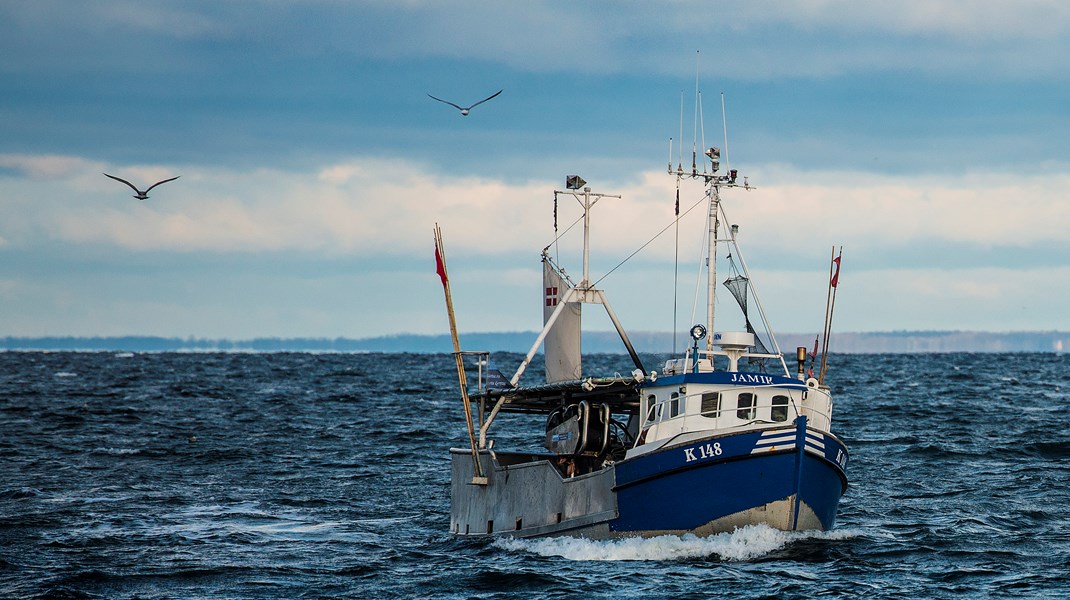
column 722, row 436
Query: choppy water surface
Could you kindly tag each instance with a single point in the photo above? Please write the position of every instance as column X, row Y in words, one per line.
column 327, row 475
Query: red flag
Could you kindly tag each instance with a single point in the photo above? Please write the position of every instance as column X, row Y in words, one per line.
column 836, row 275
column 440, row 267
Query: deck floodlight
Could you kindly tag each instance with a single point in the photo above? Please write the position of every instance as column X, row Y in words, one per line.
column 574, row 182
column 698, row 332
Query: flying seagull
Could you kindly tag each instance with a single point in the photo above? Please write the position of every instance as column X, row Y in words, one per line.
column 140, row 195
column 465, row 111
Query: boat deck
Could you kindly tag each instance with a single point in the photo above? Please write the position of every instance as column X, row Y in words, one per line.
column 620, row 394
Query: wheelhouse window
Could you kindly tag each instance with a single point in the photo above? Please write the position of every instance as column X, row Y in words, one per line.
column 745, row 408
column 711, row 404
column 652, row 403
column 779, row 410
column 674, row 405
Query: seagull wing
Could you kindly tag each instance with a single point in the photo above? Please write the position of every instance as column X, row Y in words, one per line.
column 159, row 182
column 485, row 99
column 126, row 182
column 447, row 102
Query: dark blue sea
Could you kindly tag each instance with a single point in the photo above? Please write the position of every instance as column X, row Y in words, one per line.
column 290, row 475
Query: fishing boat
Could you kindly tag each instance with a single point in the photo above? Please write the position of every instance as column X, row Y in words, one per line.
column 720, row 436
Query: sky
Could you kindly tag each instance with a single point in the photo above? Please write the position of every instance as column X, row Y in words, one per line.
column 928, row 138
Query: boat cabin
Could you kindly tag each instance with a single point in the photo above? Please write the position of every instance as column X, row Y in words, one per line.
column 691, row 397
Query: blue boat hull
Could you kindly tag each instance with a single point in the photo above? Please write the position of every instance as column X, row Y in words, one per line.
column 790, row 479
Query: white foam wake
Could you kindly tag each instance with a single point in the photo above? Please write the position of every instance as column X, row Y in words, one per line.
column 746, row 543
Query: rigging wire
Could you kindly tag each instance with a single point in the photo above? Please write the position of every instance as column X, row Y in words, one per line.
column 676, row 260
column 702, row 254
column 557, row 249
column 676, row 267
column 754, row 295
column 648, row 242
column 564, row 233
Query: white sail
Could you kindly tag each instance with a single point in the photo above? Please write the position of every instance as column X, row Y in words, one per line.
column 562, row 344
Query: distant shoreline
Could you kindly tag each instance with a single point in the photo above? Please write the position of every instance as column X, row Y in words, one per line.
column 593, row 342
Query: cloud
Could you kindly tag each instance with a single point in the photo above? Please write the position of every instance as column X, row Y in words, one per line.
column 365, row 211
column 978, row 20
column 47, row 166
column 160, row 19
column 755, row 39
column 371, row 207
column 984, row 208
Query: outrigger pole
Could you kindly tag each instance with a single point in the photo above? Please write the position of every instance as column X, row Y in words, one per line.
column 479, row 477
column 830, row 306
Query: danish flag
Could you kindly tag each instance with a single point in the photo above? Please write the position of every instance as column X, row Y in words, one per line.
column 551, row 296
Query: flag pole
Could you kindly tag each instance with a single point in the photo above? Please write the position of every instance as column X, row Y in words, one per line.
column 830, row 309
column 825, row 327
column 462, row 379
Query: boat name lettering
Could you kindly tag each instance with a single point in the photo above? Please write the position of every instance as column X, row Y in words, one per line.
column 841, row 459
column 704, row 451
column 751, row 378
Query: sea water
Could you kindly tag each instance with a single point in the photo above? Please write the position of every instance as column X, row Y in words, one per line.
column 291, row 475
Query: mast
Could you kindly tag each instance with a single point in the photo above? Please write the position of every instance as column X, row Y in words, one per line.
column 585, row 292
column 587, row 204
column 711, row 280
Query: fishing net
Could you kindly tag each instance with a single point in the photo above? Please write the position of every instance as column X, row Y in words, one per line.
column 738, row 286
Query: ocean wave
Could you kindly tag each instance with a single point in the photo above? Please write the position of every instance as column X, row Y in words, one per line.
column 744, row 544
